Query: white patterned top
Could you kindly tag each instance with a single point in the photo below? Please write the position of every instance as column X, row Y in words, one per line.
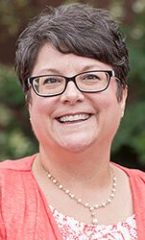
column 72, row 229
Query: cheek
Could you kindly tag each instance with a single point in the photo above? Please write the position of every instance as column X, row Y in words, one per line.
column 108, row 108
column 105, row 101
column 40, row 120
column 40, row 106
column 40, row 111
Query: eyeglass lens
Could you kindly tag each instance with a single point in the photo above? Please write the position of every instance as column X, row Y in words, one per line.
column 91, row 81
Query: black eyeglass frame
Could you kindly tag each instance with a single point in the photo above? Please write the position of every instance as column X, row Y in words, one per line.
column 29, row 82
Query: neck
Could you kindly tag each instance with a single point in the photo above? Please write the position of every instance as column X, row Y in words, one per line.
column 90, row 167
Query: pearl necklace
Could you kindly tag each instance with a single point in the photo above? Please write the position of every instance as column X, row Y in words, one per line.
column 92, row 208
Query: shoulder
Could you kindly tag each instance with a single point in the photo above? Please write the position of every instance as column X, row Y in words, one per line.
column 135, row 175
column 22, row 164
column 16, row 176
column 13, row 171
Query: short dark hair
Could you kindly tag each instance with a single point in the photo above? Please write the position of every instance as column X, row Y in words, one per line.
column 73, row 28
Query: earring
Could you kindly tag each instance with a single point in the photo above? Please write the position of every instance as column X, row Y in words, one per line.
column 26, row 97
column 122, row 114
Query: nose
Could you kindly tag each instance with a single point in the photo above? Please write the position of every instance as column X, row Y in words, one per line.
column 71, row 94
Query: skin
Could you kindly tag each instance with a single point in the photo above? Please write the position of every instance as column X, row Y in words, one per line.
column 104, row 108
column 77, row 153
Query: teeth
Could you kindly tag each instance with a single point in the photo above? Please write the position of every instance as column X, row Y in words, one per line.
column 71, row 118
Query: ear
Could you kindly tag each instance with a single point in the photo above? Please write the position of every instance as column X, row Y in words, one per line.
column 123, row 100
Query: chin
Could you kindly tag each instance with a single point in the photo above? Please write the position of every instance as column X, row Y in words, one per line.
column 76, row 141
column 76, row 147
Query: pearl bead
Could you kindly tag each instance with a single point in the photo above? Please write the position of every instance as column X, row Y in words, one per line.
column 94, row 221
column 67, row 191
column 71, row 195
column 86, row 204
column 96, row 206
column 103, row 204
column 54, row 181
column 92, row 209
column 93, row 214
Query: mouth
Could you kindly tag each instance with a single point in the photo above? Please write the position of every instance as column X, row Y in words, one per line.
column 73, row 118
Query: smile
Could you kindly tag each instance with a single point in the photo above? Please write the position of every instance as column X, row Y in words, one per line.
column 73, row 118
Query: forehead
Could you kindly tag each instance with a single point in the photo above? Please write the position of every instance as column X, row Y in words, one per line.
column 49, row 59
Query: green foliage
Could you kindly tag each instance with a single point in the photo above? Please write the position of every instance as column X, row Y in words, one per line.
column 16, row 139
column 131, row 134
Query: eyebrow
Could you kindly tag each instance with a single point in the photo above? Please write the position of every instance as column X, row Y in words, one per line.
column 89, row 67
column 57, row 71
column 46, row 70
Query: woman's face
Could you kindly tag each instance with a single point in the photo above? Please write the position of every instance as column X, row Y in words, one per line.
column 74, row 120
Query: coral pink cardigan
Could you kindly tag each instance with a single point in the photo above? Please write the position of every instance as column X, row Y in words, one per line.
column 24, row 213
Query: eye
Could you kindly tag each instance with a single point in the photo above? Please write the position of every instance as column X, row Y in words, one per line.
column 51, row 80
column 91, row 76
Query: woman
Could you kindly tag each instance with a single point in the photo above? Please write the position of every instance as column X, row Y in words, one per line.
column 72, row 63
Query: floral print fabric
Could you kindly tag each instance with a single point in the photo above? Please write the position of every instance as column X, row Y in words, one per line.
column 72, row 229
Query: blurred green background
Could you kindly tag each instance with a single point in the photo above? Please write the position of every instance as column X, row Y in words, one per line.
column 16, row 137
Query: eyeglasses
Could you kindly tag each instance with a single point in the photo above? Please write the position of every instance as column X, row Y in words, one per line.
column 88, row 82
